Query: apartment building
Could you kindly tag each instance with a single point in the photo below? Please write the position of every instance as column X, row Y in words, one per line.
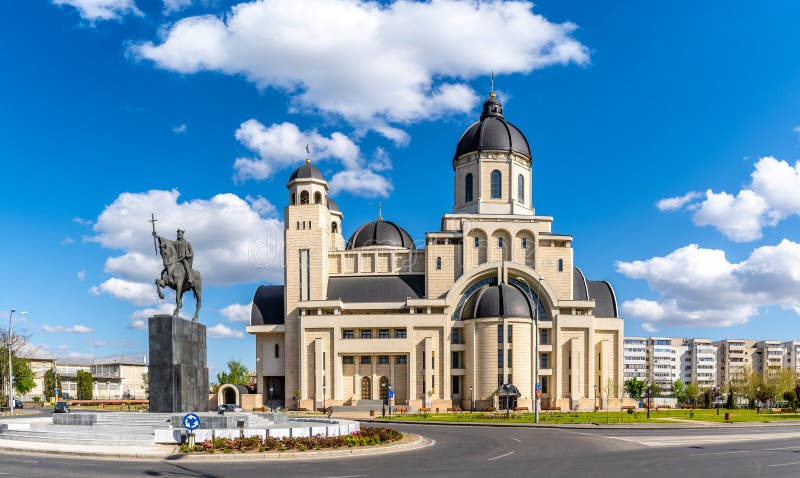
column 701, row 356
column 791, row 355
column 635, row 358
column 768, row 357
column 734, row 356
column 119, row 377
column 663, row 362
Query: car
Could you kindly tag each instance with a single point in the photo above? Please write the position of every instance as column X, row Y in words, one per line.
column 61, row 407
column 228, row 407
column 18, row 403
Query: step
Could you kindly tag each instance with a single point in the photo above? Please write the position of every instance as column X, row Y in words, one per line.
column 93, row 441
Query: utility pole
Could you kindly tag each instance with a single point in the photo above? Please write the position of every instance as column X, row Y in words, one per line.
column 10, row 368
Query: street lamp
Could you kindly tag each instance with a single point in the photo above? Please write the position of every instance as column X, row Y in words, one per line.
column 649, row 402
column 270, row 397
column 471, row 401
column 595, row 397
column 535, row 346
column 10, row 368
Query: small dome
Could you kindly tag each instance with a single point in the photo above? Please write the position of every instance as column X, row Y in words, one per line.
column 332, row 206
column 380, row 233
column 492, row 133
column 306, row 171
column 497, row 301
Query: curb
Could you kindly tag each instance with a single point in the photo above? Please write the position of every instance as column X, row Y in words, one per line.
column 596, row 426
column 20, row 413
column 416, row 442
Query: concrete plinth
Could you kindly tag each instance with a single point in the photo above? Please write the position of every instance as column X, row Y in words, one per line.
column 178, row 376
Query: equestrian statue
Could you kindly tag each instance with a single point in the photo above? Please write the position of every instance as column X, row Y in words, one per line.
column 178, row 273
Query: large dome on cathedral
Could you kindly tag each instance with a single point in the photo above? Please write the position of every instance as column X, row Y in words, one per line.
column 492, row 133
column 380, row 233
column 497, row 301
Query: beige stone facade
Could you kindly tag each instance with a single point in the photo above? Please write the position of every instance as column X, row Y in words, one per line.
column 354, row 320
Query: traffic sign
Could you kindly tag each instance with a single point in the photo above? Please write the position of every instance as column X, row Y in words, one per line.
column 538, row 386
column 191, row 421
column 538, row 394
column 56, row 392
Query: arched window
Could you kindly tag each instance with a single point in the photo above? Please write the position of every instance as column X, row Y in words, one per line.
column 438, row 263
column 334, row 227
column 561, row 265
column 277, row 351
column 304, row 197
column 497, row 188
column 520, row 188
column 318, row 197
column 293, row 199
column 468, row 188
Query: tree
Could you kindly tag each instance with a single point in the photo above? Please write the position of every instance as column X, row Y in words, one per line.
column 679, row 391
column 730, row 403
column 24, row 378
column 692, row 392
column 84, row 385
column 52, row 381
column 655, row 389
column 634, row 388
column 146, row 380
column 236, row 374
column 19, row 339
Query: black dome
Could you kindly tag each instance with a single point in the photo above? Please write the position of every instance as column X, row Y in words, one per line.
column 306, row 171
column 380, row 233
column 492, row 133
column 332, row 206
column 501, row 301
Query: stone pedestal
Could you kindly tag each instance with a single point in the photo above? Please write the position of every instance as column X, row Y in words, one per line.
column 178, row 376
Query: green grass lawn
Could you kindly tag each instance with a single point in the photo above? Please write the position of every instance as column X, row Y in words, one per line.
column 601, row 417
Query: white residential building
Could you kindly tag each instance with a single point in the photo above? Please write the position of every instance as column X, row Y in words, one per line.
column 663, row 362
column 791, row 355
column 702, row 355
column 635, row 358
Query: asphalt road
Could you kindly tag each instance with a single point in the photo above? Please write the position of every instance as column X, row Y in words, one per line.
column 493, row 451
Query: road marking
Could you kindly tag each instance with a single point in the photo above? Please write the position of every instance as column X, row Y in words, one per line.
column 501, row 456
column 719, row 453
column 346, row 476
column 786, row 464
column 783, row 448
column 516, row 439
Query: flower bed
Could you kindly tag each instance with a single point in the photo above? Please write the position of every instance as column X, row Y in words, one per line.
column 367, row 436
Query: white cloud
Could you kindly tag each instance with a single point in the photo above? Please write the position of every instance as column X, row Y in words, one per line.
column 361, row 182
column 134, row 292
column 262, row 206
column 282, row 145
column 81, row 221
column 81, row 275
column 797, row 130
column 173, row 6
column 375, row 65
column 222, row 331
column 677, row 202
column 700, row 287
column 772, row 195
column 232, row 242
column 67, row 241
column 94, row 10
column 180, row 129
column 237, row 312
column 649, row 328
column 140, row 317
column 60, row 329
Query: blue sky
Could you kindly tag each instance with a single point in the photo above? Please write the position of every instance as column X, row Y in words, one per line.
column 112, row 112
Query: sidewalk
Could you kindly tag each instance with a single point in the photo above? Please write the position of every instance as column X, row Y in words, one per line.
column 679, row 424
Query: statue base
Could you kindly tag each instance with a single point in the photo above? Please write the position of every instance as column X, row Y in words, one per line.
column 178, row 375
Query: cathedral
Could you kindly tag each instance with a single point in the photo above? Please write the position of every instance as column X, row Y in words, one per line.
column 494, row 298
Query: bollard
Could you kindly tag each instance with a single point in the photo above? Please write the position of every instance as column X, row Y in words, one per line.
column 372, row 413
column 727, row 417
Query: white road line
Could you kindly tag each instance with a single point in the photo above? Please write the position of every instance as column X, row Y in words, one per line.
column 719, row 453
column 786, row 464
column 783, row 448
column 346, row 476
column 501, row 456
column 516, row 439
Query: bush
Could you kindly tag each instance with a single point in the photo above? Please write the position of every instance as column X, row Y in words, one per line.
column 37, row 399
column 366, row 436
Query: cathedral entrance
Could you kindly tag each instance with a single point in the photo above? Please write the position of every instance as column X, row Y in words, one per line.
column 366, row 388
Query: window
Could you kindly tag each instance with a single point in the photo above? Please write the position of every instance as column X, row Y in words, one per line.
column 293, row 199
column 456, row 384
column 454, row 357
column 500, row 334
column 477, row 242
column 438, row 263
column 509, row 333
column 500, row 242
column 424, row 386
column 524, row 242
column 499, row 379
column 347, row 334
column 520, row 188
column 383, row 333
column 543, row 361
column 366, row 360
column 468, row 188
column 500, row 358
column 401, row 360
column 433, row 360
column 383, row 360
column 510, row 380
column 510, row 362
column 544, row 384
column 497, row 189
column 543, row 337
column 334, row 227
column 304, row 199
column 400, row 333
column 561, row 265
column 423, row 360
column 277, row 351
column 318, row 197
column 455, row 336
column 348, row 360
column 366, row 333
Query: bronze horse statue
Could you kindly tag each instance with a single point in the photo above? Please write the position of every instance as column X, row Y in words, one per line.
column 178, row 274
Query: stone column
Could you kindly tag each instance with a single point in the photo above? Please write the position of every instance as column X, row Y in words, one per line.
column 177, row 372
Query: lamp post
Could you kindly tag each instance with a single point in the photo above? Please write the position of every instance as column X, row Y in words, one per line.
column 649, row 402
column 535, row 346
column 10, row 368
column 323, row 398
column 471, row 400
column 270, row 397
column 595, row 397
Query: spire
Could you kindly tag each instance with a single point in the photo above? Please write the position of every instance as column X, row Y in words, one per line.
column 491, row 91
column 380, row 211
column 308, row 155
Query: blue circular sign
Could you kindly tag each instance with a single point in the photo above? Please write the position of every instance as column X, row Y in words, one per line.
column 191, row 421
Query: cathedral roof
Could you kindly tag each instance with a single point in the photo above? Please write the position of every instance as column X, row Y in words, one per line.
column 267, row 306
column 332, row 206
column 497, row 301
column 376, row 288
column 492, row 133
column 306, row 171
column 380, row 233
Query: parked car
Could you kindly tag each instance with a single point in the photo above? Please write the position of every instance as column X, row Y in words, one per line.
column 18, row 403
column 61, row 407
column 228, row 408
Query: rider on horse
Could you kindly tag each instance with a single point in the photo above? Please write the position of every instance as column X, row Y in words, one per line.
column 183, row 250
